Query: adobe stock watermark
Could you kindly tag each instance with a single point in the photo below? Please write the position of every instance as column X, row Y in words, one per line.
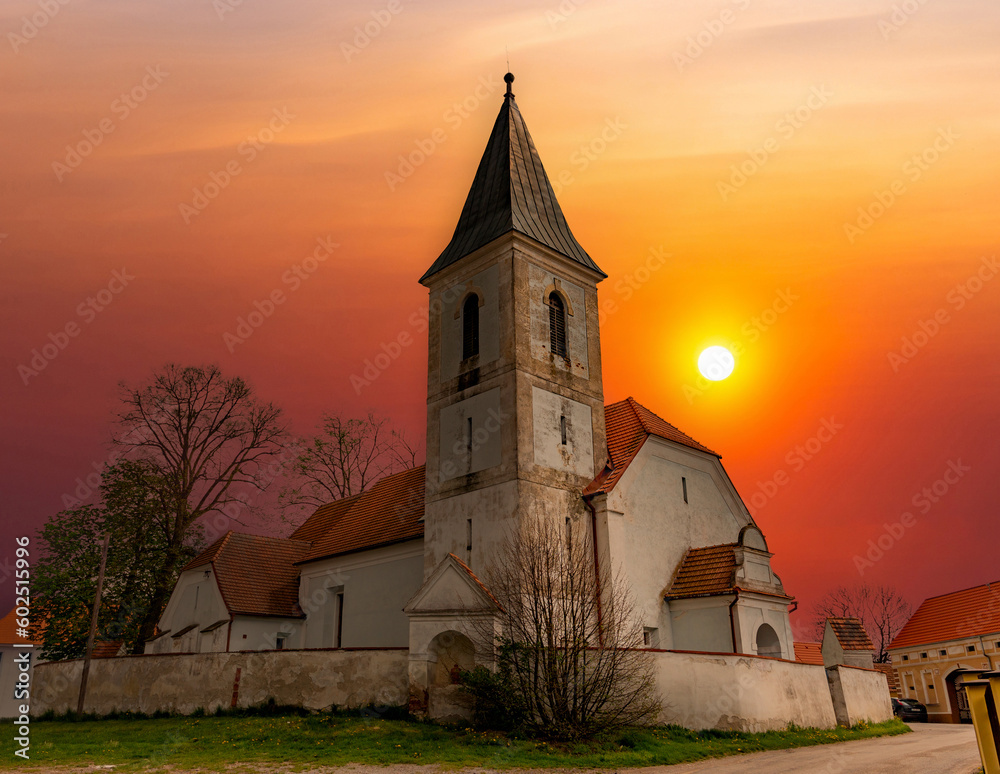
column 796, row 458
column 371, row 29
column 224, row 7
column 751, row 331
column 249, row 149
column 899, row 18
column 424, row 147
column 35, row 23
column 561, row 13
column 785, row 127
column 121, row 107
column 957, row 297
column 629, row 284
column 913, row 170
column 923, row 501
column 581, row 159
column 711, row 31
column 264, row 308
column 87, row 311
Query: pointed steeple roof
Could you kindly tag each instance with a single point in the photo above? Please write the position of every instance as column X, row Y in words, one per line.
column 511, row 192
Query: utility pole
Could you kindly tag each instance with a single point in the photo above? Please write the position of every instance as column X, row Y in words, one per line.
column 93, row 624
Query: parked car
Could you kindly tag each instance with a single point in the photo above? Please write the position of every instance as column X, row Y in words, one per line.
column 909, row 709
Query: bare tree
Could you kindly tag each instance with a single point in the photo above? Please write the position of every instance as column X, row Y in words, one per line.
column 881, row 610
column 206, row 436
column 571, row 652
column 345, row 457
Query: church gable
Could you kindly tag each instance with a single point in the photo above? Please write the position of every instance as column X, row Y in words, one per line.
column 452, row 587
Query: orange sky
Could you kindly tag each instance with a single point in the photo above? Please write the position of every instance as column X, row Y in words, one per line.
column 644, row 114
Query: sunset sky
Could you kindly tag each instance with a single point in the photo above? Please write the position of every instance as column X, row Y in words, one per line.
column 811, row 183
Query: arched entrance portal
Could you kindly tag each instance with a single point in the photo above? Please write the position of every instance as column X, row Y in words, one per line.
column 957, row 699
column 768, row 643
column 449, row 654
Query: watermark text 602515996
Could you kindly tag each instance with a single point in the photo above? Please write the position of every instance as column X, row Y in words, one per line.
column 22, row 621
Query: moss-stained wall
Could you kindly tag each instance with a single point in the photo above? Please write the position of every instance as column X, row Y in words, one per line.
column 315, row 679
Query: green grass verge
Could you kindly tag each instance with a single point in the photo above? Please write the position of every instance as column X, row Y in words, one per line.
column 216, row 743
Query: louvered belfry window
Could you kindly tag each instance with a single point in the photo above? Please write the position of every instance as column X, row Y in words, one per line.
column 557, row 325
column 470, row 327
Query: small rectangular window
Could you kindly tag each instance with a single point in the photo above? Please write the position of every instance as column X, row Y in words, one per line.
column 562, row 429
column 930, row 686
column 279, row 643
column 971, row 648
column 997, row 644
column 906, row 658
column 943, row 652
column 923, row 655
column 684, row 487
column 340, row 620
column 468, row 536
column 468, row 435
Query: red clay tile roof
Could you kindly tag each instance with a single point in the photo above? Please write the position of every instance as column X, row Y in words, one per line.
column 954, row 616
column 256, row 574
column 704, row 572
column 808, row 652
column 851, row 634
column 322, row 519
column 476, row 580
column 106, row 649
column 891, row 677
column 389, row 512
column 628, row 425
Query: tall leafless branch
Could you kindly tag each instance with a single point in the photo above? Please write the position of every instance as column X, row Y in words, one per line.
column 345, row 456
column 205, row 434
column 880, row 608
column 571, row 651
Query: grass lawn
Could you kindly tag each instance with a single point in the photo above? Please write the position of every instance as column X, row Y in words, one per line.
column 216, row 743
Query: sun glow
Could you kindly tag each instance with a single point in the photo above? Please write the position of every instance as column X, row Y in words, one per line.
column 716, row 363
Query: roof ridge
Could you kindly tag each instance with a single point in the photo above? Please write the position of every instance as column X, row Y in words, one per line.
column 959, row 591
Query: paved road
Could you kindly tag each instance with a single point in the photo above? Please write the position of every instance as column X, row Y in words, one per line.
column 931, row 749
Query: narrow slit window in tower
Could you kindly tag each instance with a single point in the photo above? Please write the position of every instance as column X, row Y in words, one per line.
column 470, row 327
column 557, row 325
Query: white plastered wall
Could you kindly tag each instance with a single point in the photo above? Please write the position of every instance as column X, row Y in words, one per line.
column 649, row 527
column 376, row 585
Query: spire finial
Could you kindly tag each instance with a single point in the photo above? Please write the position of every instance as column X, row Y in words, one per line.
column 509, row 78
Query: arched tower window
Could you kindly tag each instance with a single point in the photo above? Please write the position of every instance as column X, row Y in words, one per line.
column 470, row 327
column 768, row 643
column 557, row 325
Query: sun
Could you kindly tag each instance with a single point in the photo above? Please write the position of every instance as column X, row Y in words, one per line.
column 716, row 363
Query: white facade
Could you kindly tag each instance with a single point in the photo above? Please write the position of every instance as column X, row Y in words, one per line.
column 357, row 600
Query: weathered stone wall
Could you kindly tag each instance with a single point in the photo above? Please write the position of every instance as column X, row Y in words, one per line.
column 315, row 679
column 859, row 694
column 741, row 693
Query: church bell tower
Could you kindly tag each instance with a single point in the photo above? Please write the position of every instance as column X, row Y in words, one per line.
column 515, row 400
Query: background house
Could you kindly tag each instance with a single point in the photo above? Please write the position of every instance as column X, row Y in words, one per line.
column 241, row 593
column 950, row 638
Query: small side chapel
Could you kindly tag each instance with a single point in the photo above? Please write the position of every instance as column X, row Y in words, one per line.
column 517, row 428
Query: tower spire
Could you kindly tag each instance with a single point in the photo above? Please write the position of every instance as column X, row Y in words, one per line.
column 511, row 192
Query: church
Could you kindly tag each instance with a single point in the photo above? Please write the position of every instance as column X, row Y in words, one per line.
column 517, row 429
